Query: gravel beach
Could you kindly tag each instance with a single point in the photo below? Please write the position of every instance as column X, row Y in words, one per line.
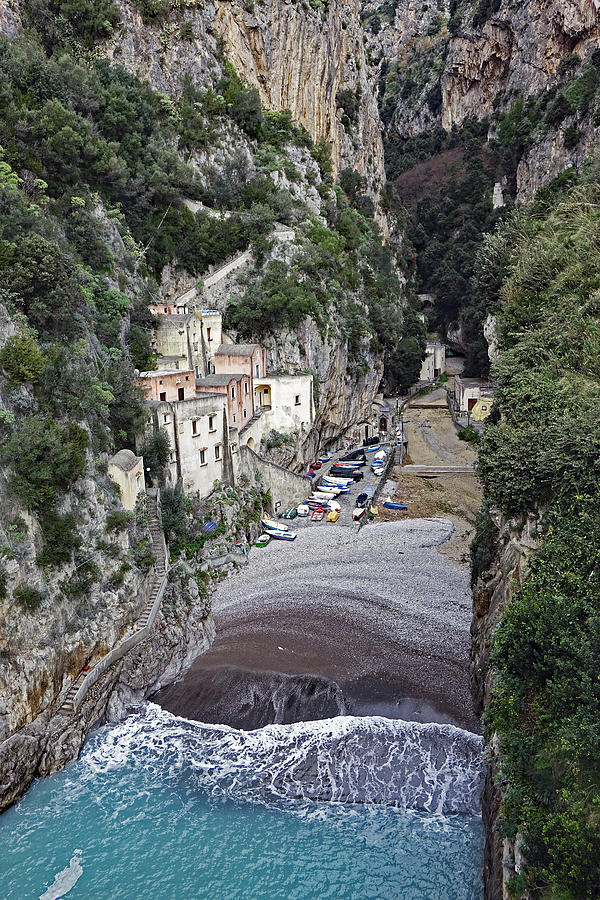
column 379, row 612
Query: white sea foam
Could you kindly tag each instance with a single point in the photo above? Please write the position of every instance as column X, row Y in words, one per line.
column 65, row 880
column 409, row 765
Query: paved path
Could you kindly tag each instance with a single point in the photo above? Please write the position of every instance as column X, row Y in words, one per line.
column 433, row 440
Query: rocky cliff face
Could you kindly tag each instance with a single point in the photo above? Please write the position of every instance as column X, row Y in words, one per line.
column 518, row 50
column 300, row 59
column 492, row 593
column 345, row 388
column 48, row 739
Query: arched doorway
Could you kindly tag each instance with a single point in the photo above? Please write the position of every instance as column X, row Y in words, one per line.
column 383, row 424
column 250, row 443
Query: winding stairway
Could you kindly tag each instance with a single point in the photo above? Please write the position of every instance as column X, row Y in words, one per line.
column 86, row 679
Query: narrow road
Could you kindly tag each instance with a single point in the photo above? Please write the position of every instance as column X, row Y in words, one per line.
column 438, row 476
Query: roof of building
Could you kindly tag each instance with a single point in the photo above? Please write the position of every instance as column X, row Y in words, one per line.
column 155, row 373
column 474, row 382
column 176, row 320
column 125, row 460
column 236, row 349
column 216, row 380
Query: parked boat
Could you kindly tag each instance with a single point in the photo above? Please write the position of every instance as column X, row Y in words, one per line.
column 333, row 516
column 365, row 496
column 354, row 454
column 283, row 535
column 290, row 513
column 272, row 525
column 317, row 515
column 334, row 506
column 389, row 504
column 302, row 510
column 373, row 449
column 358, row 513
column 262, row 540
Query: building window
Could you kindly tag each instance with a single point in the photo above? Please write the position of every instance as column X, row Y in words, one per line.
column 233, row 393
column 257, row 370
column 173, row 456
column 297, row 401
column 180, row 393
column 234, row 417
column 163, row 396
column 166, row 419
column 195, row 429
column 196, row 346
column 218, row 451
column 187, row 377
column 211, row 423
column 234, row 448
column 160, row 381
column 245, row 413
column 149, row 420
column 196, row 370
column 245, row 387
column 208, row 337
column 203, row 457
column 166, row 309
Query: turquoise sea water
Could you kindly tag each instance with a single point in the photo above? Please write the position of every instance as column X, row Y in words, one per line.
column 159, row 807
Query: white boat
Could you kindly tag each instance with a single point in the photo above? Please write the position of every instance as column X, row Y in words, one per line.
column 335, row 506
column 342, row 482
column 283, row 535
column 302, row 510
column 272, row 525
column 320, row 495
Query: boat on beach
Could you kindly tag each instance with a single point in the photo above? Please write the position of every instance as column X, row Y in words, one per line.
column 283, row 535
column 365, row 497
column 272, row 525
column 262, row 540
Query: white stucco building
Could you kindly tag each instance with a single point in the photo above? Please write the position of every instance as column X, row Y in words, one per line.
column 199, row 440
column 434, row 363
column 468, row 391
column 127, row 471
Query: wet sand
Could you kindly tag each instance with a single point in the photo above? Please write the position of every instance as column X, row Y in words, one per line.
column 378, row 620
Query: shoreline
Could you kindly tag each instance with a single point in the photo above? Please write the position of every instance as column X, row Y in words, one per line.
column 378, row 620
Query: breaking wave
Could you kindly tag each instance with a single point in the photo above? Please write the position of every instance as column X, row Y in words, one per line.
column 409, row 765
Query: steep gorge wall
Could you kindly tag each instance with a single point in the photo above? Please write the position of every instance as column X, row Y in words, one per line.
column 518, row 50
column 492, row 594
column 300, row 58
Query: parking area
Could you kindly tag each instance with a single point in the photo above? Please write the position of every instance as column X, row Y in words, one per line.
column 347, row 502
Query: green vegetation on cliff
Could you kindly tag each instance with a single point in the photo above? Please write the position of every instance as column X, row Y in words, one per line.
column 541, row 453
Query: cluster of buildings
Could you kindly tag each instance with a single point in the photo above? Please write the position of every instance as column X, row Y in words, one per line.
column 212, row 396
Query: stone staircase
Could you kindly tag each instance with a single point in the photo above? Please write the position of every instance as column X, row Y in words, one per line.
column 71, row 701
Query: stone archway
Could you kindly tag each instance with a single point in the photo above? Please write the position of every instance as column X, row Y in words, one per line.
column 250, row 443
column 383, row 424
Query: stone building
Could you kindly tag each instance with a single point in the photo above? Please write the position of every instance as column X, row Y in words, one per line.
column 188, row 340
column 238, row 390
column 434, row 363
column 168, row 385
column 468, row 391
column 287, row 399
column 199, row 440
column 250, row 359
column 127, row 471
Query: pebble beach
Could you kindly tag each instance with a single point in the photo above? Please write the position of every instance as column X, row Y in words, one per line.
column 379, row 612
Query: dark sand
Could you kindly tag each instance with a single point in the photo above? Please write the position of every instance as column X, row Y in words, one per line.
column 378, row 619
